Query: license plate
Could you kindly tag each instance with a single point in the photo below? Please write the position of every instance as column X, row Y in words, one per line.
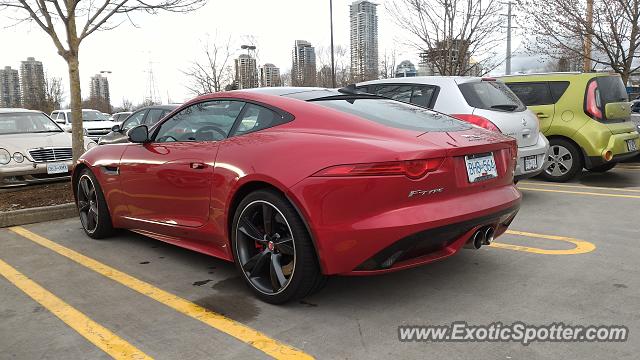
column 530, row 162
column 631, row 145
column 57, row 168
column 481, row 167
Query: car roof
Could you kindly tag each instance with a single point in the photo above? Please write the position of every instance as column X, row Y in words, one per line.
column 163, row 107
column 17, row 110
column 300, row 93
column 427, row 80
column 69, row 110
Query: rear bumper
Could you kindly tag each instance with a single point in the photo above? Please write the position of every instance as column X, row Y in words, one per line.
column 618, row 146
column 28, row 173
column 539, row 150
column 425, row 232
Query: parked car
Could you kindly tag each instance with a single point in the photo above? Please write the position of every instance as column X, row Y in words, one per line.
column 96, row 124
column 149, row 116
column 635, row 113
column 33, row 148
column 294, row 184
column 119, row 117
column 584, row 115
column 481, row 101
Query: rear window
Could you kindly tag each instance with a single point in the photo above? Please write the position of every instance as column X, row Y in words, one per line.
column 532, row 93
column 396, row 114
column 612, row 89
column 491, row 95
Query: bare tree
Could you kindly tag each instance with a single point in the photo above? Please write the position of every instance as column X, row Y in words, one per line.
column 388, row 64
column 127, row 105
column 72, row 21
column 53, row 94
column 560, row 28
column 343, row 72
column 212, row 74
column 450, row 33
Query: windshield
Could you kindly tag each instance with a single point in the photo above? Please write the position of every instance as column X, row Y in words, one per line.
column 612, row 89
column 395, row 114
column 23, row 123
column 491, row 95
column 90, row 115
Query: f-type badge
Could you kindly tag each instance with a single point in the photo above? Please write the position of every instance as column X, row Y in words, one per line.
column 413, row 193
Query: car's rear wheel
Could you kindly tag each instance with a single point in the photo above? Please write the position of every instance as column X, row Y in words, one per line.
column 92, row 207
column 273, row 249
column 564, row 161
column 603, row 168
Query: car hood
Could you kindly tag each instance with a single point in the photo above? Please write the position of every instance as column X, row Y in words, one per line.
column 98, row 124
column 22, row 142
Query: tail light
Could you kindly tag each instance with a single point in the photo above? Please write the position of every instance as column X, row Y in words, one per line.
column 592, row 108
column 413, row 169
column 477, row 120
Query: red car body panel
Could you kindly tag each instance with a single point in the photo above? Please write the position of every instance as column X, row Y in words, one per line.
column 182, row 192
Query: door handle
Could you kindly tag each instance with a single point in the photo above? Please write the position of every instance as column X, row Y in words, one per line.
column 197, row 165
column 542, row 115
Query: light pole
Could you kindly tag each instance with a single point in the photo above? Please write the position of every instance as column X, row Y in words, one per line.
column 333, row 63
column 252, row 73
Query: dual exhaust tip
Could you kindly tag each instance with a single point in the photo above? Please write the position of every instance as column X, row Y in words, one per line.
column 483, row 236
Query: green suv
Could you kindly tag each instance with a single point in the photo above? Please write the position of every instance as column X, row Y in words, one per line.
column 585, row 116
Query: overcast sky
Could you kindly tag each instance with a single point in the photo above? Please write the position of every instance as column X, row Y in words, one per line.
column 171, row 41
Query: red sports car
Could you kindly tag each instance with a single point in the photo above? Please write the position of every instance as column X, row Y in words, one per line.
column 295, row 184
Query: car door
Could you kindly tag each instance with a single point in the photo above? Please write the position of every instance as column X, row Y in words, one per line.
column 166, row 183
column 538, row 98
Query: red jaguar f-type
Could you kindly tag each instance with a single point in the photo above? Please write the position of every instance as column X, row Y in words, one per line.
column 295, row 184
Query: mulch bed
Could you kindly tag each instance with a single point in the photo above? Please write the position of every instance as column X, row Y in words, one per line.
column 31, row 196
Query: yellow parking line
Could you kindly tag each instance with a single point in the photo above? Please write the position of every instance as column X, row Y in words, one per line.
column 582, row 193
column 100, row 336
column 540, row 183
column 258, row 340
column 581, row 246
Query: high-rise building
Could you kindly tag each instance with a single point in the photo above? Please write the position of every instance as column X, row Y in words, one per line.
column 99, row 90
column 405, row 69
column 303, row 67
column 364, row 40
column 9, row 88
column 246, row 72
column 32, row 83
column 270, row 76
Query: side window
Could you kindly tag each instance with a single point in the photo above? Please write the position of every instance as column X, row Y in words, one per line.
column 533, row 93
column 557, row 89
column 396, row 92
column 422, row 95
column 153, row 116
column 256, row 118
column 205, row 121
column 134, row 120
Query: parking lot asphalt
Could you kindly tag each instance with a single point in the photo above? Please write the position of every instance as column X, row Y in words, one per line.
column 571, row 256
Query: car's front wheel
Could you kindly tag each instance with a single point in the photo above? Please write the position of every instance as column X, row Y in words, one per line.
column 92, row 207
column 564, row 161
column 273, row 249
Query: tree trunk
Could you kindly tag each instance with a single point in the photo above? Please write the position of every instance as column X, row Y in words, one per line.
column 77, row 133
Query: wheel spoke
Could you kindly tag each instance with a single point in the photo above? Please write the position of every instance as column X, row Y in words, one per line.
column 257, row 263
column 267, row 218
column 83, row 205
column 284, row 246
column 277, row 276
column 247, row 228
column 84, row 184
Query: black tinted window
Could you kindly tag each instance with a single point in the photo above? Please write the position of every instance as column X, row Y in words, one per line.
column 396, row 92
column 491, row 95
column 256, row 118
column 422, row 95
column 532, row 93
column 396, row 114
column 612, row 89
column 557, row 89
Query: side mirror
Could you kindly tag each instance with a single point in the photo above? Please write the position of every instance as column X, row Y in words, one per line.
column 139, row 134
column 115, row 128
column 615, row 111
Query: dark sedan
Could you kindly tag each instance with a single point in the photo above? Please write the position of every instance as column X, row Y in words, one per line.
column 148, row 115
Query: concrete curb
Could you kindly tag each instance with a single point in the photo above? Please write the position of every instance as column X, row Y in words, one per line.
column 39, row 214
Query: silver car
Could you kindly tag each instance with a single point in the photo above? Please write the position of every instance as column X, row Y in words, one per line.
column 485, row 102
column 33, row 148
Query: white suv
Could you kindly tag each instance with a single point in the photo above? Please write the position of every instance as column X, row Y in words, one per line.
column 95, row 122
column 485, row 102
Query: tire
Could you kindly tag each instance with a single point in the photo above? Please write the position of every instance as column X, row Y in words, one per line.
column 93, row 210
column 564, row 161
column 266, row 234
column 603, row 168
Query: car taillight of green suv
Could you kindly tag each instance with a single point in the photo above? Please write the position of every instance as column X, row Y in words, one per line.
column 585, row 116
